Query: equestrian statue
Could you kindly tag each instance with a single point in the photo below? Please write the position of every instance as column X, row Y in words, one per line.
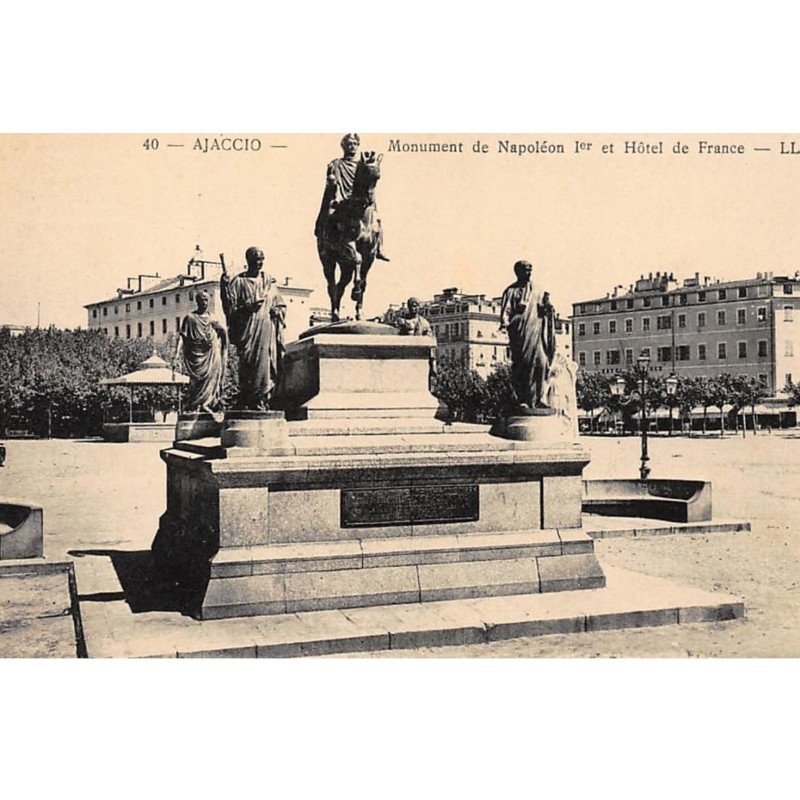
column 348, row 228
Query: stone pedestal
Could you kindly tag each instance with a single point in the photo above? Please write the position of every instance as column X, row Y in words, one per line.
column 542, row 425
column 365, row 499
column 197, row 425
column 350, row 376
column 265, row 433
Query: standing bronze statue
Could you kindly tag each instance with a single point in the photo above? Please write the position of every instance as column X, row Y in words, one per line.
column 256, row 314
column 348, row 229
column 528, row 317
column 203, row 344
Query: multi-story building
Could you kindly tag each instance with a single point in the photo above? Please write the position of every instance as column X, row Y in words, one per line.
column 154, row 306
column 467, row 329
column 702, row 328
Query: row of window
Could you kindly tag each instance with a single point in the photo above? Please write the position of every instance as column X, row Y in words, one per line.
column 456, row 330
column 741, row 293
column 151, row 304
column 664, row 321
column 682, row 353
column 139, row 329
column 464, row 308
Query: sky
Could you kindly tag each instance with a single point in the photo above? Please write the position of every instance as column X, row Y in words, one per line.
column 82, row 212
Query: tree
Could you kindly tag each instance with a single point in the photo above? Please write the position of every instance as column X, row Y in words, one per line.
column 754, row 393
column 792, row 393
column 686, row 398
column 463, row 391
column 737, row 397
column 49, row 379
column 500, row 398
column 719, row 395
column 703, row 390
column 592, row 391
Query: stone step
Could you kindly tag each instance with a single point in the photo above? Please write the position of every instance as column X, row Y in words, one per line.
column 400, row 551
column 289, row 592
column 377, row 426
column 629, row 600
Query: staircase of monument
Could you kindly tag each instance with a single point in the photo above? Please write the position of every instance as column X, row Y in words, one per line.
column 312, row 576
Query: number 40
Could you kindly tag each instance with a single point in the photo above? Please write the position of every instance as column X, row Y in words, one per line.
column 150, row 144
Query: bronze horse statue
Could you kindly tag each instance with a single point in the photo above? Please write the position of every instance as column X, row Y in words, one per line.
column 350, row 237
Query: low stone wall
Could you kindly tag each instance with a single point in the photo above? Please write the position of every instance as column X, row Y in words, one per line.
column 673, row 500
column 21, row 531
column 139, row 431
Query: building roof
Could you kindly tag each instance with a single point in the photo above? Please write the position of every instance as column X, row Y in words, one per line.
column 665, row 283
column 164, row 285
column 153, row 372
column 183, row 281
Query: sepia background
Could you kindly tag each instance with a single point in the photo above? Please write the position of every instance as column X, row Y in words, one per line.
column 396, row 729
column 83, row 212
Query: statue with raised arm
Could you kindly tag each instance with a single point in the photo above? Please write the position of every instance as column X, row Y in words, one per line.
column 348, row 229
column 203, row 345
column 528, row 316
column 339, row 180
column 256, row 314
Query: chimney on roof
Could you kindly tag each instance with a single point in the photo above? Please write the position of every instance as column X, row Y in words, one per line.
column 286, row 280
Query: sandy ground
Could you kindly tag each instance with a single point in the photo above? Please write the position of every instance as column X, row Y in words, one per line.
column 98, row 496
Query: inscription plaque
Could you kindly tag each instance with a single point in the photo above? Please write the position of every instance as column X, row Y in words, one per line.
column 405, row 505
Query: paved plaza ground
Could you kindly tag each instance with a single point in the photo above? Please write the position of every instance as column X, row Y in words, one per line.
column 100, row 497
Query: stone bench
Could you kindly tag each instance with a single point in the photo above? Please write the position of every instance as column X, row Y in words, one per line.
column 21, row 530
column 667, row 499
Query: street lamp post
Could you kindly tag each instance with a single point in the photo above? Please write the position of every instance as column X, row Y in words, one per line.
column 643, row 363
column 672, row 388
column 617, row 388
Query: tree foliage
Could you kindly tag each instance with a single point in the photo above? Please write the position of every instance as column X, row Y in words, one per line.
column 49, row 379
column 793, row 393
column 463, row 391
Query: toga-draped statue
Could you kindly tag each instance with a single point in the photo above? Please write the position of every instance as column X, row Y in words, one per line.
column 528, row 316
column 256, row 315
column 203, row 343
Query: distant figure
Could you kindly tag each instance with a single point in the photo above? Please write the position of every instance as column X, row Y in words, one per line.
column 527, row 315
column 559, row 391
column 411, row 323
column 203, row 343
column 256, row 315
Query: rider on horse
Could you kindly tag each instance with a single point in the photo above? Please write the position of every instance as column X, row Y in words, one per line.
column 339, row 186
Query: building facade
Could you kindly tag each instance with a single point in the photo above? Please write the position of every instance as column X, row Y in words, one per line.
column 467, row 329
column 152, row 306
column 701, row 328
